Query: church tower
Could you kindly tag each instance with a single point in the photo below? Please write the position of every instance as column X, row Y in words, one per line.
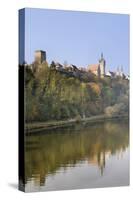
column 102, row 64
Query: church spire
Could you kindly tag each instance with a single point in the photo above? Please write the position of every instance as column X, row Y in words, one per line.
column 102, row 64
column 102, row 55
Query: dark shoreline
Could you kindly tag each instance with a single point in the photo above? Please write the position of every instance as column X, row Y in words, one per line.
column 40, row 126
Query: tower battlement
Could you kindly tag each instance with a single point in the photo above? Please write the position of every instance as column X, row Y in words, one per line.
column 40, row 56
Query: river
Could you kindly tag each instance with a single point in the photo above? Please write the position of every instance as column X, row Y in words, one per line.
column 81, row 156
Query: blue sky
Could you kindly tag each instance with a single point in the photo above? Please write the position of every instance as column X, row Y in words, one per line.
column 78, row 37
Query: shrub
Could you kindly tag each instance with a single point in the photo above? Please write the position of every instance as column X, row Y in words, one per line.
column 78, row 118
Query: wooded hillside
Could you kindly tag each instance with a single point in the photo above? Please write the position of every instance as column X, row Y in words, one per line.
column 52, row 95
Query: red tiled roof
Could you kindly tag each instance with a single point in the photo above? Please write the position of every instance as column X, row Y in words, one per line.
column 93, row 67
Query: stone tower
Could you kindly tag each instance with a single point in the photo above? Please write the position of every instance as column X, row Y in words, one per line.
column 102, row 64
column 40, row 56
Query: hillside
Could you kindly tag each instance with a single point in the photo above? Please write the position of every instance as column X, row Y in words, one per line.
column 52, row 94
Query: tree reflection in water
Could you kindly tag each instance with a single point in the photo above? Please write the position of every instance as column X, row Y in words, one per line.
column 51, row 150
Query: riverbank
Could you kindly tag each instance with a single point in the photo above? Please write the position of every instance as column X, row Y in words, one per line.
column 40, row 126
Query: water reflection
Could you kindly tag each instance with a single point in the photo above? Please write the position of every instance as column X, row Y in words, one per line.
column 55, row 151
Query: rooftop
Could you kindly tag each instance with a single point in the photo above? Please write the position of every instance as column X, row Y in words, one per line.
column 93, row 67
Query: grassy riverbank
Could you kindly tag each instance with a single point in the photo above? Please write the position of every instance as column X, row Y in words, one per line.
column 40, row 126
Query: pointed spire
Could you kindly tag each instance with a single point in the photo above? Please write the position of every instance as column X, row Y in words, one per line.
column 102, row 55
column 101, row 59
column 117, row 71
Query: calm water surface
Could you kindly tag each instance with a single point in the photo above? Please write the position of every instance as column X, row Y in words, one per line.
column 84, row 156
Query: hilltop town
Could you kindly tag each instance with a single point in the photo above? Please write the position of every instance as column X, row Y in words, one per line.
column 98, row 70
column 67, row 92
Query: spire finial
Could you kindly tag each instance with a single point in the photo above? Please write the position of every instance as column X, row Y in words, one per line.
column 102, row 55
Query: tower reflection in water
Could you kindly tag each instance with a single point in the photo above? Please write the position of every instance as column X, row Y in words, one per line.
column 55, row 150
